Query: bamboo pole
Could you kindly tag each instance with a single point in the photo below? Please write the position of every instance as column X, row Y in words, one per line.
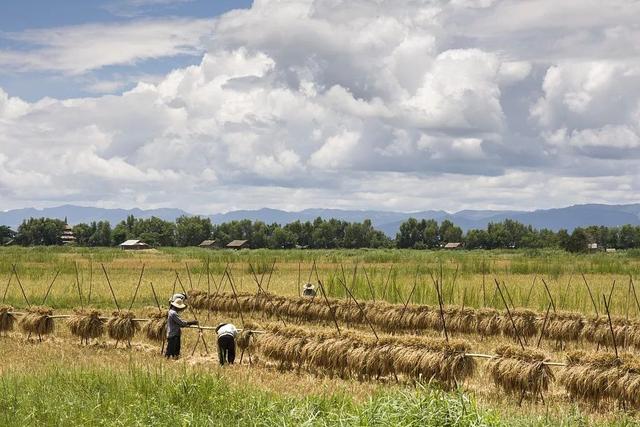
column 135, row 294
column 50, row 286
column 15, row 272
column 513, row 323
column 78, row 286
column 384, row 290
column 535, row 276
column 113, row 294
column 360, row 308
column 366, row 276
column 613, row 335
column 593, row 301
column 553, row 304
column 260, row 289
column 6, row 289
column 544, row 325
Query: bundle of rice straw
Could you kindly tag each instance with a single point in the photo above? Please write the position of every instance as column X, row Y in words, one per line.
column 563, row 326
column 525, row 321
column 121, row 326
column 38, row 321
column 488, row 322
column 247, row 339
column 7, row 319
column 591, row 377
column 597, row 330
column 156, row 328
column 520, row 371
column 86, row 324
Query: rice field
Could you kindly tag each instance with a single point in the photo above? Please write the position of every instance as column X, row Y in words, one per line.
column 414, row 325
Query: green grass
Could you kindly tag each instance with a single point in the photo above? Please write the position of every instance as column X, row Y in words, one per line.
column 143, row 396
column 60, row 396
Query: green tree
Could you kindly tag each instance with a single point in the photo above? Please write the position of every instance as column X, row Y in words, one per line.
column 40, row 231
column 192, row 230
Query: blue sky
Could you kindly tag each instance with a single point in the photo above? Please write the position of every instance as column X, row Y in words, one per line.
column 16, row 17
column 405, row 105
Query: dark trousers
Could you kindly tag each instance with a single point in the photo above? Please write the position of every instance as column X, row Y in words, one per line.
column 173, row 347
column 226, row 349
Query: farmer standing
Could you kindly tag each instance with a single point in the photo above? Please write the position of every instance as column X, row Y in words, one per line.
column 175, row 325
column 226, row 342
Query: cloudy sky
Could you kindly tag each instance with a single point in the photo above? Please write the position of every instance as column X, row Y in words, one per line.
column 215, row 105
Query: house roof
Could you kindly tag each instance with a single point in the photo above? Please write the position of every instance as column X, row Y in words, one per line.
column 207, row 243
column 132, row 243
column 452, row 245
column 236, row 243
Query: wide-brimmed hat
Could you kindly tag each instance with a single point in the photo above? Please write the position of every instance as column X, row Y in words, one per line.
column 308, row 286
column 177, row 296
column 220, row 325
column 178, row 303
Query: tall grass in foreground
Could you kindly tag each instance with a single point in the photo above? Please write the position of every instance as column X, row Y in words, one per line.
column 58, row 396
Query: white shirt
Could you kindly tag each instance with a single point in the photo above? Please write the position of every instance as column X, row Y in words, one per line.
column 228, row 329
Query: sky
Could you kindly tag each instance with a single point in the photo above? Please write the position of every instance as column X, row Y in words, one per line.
column 405, row 105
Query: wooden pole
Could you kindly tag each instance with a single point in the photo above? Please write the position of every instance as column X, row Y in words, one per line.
column 535, row 276
column 78, row 286
column 208, row 289
column 273, row 266
column 484, row 291
column 613, row 335
column 90, row 279
column 366, row 276
column 415, row 283
column 628, row 299
column 299, row 274
column 6, row 289
column 260, row 289
column 453, row 284
column 113, row 294
column 613, row 286
column 186, row 266
column 200, row 335
column 593, row 301
column 155, row 297
column 544, row 325
column 360, row 308
column 553, row 304
column 15, row 272
column 384, row 290
column 506, row 289
column 440, row 305
column 235, row 295
column 135, row 294
column 46, row 295
column 513, row 323
column 331, row 309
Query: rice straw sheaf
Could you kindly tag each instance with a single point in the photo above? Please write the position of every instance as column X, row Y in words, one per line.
column 247, row 338
column 524, row 319
column 591, row 376
column 488, row 322
column 121, row 326
column 7, row 319
column 520, row 371
column 597, row 331
column 38, row 321
column 156, row 328
column 562, row 326
column 86, row 324
column 365, row 357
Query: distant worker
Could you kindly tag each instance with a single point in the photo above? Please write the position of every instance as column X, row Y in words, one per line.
column 175, row 325
column 309, row 290
column 226, row 342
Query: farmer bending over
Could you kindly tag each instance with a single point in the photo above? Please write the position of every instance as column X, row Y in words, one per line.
column 226, row 342
column 175, row 324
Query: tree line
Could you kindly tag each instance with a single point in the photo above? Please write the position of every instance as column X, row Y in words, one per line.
column 320, row 234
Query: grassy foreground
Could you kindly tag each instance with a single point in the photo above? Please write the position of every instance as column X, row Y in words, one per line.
column 59, row 396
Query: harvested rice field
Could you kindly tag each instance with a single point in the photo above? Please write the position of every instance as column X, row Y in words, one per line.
column 392, row 337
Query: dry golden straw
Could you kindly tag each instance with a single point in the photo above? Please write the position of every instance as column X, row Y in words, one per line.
column 156, row 328
column 7, row 319
column 38, row 321
column 86, row 324
column 520, row 372
column 121, row 326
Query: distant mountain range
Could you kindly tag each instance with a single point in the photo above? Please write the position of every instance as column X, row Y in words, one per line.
column 386, row 221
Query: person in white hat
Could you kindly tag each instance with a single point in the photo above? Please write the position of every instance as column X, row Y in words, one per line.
column 226, row 342
column 309, row 290
column 175, row 325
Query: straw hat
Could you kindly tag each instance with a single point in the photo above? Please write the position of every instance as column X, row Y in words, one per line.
column 220, row 325
column 309, row 286
column 178, row 303
column 176, row 296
